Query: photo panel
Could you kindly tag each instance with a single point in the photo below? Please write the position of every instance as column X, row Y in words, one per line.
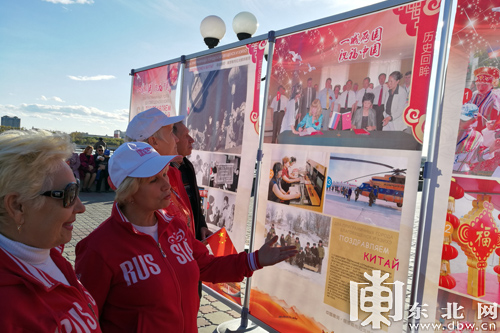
column 155, row 88
column 478, row 141
column 220, row 99
column 465, row 220
column 362, row 82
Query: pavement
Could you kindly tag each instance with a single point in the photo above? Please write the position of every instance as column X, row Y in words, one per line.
column 98, row 208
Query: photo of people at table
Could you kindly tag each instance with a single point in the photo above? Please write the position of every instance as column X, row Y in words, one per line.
column 297, row 178
column 318, row 92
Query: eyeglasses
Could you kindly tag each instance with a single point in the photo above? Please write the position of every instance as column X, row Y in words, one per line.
column 68, row 196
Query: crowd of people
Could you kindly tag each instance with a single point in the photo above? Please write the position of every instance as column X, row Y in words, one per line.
column 373, row 108
column 312, row 257
column 91, row 168
column 139, row 271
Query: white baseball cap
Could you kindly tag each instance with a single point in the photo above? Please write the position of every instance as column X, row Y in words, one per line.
column 146, row 123
column 135, row 159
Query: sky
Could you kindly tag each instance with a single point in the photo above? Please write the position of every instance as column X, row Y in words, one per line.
column 65, row 64
column 346, row 170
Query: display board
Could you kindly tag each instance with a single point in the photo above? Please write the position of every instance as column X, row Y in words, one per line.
column 220, row 98
column 156, row 88
column 340, row 182
column 462, row 285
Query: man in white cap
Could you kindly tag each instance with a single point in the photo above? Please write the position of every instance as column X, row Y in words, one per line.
column 156, row 128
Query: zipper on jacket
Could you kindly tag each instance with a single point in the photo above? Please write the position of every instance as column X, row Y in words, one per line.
column 92, row 309
column 161, row 250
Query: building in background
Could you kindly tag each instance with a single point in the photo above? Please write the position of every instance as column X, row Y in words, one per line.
column 11, row 121
column 119, row 134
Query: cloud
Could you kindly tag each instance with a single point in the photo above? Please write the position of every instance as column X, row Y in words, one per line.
column 92, row 78
column 54, row 98
column 71, row 2
column 69, row 118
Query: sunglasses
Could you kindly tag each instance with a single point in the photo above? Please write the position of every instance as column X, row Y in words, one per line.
column 69, row 194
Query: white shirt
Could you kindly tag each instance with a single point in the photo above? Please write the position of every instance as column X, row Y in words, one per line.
column 360, row 93
column 40, row 258
column 376, row 92
column 343, row 98
column 274, row 103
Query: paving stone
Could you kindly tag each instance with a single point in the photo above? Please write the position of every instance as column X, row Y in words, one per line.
column 218, row 317
column 207, row 309
column 204, row 301
column 234, row 314
column 202, row 322
column 221, row 306
column 208, row 329
column 210, row 298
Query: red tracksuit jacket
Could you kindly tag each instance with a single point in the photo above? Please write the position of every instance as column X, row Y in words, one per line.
column 32, row 301
column 144, row 286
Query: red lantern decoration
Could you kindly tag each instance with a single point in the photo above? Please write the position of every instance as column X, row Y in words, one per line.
column 455, row 222
column 456, row 191
column 449, row 252
column 447, row 281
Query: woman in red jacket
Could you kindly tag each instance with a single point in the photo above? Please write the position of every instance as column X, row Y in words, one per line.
column 143, row 265
column 87, row 169
column 39, row 203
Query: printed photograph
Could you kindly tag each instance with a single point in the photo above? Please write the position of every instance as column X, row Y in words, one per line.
column 219, row 209
column 350, row 83
column 308, row 232
column 470, row 261
column 478, row 142
column 220, row 171
column 367, row 189
column 297, row 178
column 215, row 107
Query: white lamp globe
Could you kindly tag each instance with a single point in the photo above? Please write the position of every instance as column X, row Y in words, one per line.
column 212, row 28
column 245, row 25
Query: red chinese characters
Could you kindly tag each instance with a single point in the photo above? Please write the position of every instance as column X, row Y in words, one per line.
column 363, row 44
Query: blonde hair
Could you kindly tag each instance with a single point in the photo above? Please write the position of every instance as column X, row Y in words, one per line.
column 316, row 104
column 29, row 161
column 127, row 188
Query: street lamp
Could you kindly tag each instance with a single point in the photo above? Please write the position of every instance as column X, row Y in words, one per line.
column 245, row 25
column 212, row 28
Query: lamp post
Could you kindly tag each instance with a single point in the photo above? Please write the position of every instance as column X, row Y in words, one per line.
column 212, row 28
column 245, row 25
